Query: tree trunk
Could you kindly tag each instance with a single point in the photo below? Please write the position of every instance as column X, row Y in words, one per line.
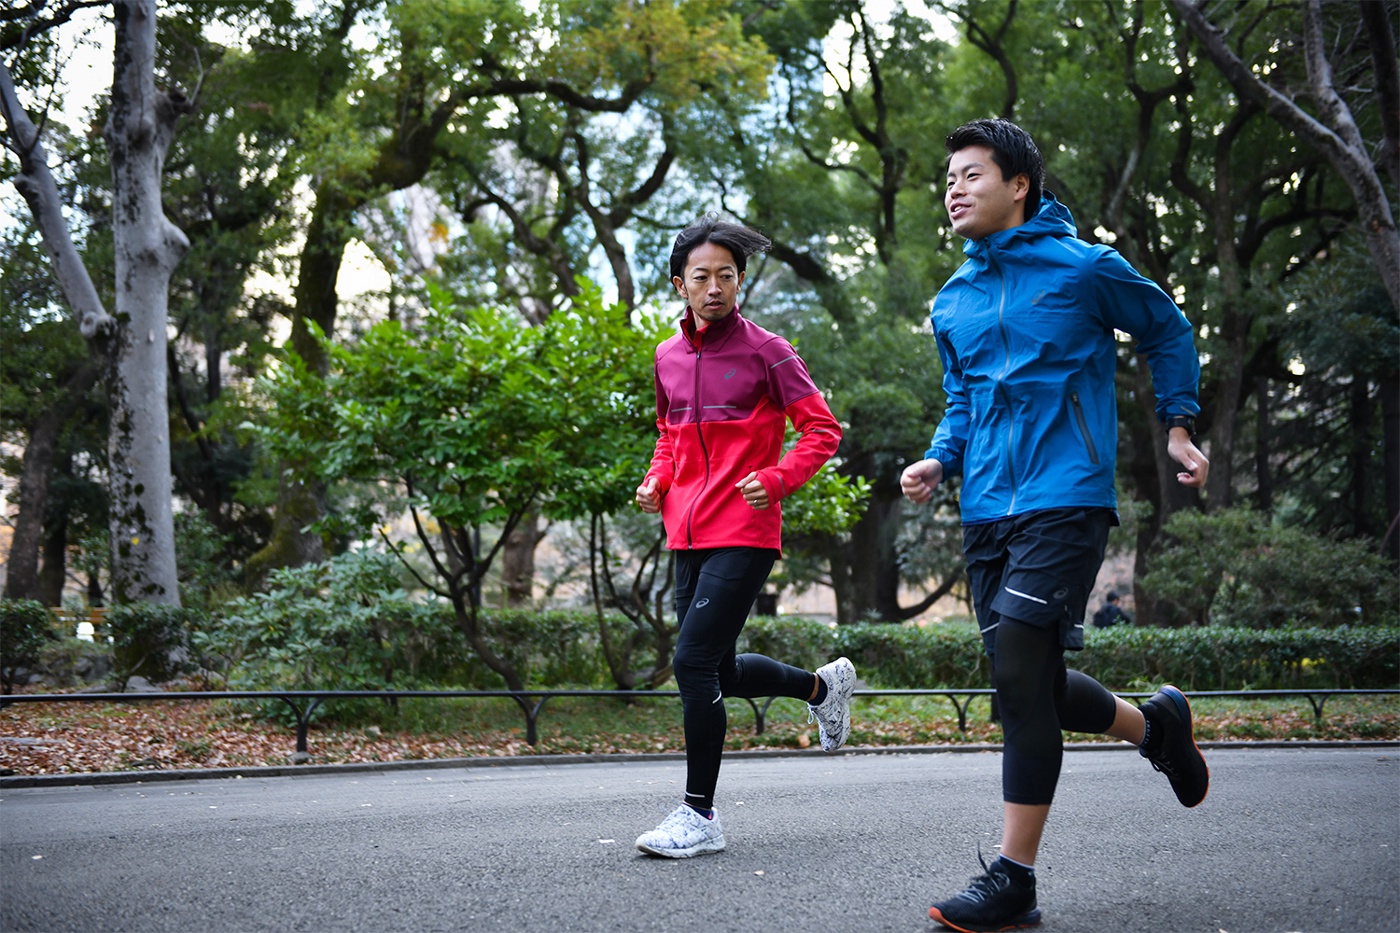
column 518, row 561
column 1154, row 474
column 131, row 344
column 838, row 558
column 147, row 247
column 1362, row 439
column 22, row 566
column 874, row 569
column 54, row 572
column 1229, row 370
column 1263, row 471
column 300, row 496
column 1390, row 432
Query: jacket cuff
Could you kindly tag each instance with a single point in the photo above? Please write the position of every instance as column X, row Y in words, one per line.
column 772, row 484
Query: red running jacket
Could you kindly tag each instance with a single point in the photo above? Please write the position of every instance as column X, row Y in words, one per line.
column 723, row 398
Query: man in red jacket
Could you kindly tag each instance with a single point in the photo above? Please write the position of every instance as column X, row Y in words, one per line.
column 725, row 389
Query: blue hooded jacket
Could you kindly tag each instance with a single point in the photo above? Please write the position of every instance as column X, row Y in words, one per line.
column 1025, row 329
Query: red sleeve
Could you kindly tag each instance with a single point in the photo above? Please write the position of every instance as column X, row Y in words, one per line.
column 663, row 458
column 820, row 436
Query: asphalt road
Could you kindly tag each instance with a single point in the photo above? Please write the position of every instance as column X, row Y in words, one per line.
column 1288, row 840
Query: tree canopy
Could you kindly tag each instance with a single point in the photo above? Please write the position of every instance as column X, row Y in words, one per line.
column 528, row 160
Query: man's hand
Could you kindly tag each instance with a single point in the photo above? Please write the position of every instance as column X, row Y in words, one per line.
column 753, row 492
column 920, row 479
column 1183, row 451
column 647, row 498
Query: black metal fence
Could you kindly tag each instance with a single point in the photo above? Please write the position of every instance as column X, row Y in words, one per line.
column 304, row 703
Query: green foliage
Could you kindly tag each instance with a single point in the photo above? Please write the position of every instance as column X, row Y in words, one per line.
column 207, row 575
column 1235, row 567
column 557, row 648
column 476, row 418
column 152, row 640
column 24, row 631
column 1123, row 658
column 828, row 503
column 344, row 625
column 892, row 656
column 1218, row 658
column 474, row 421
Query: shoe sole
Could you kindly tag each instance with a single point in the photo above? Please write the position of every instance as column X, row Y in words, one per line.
column 1183, row 710
column 1028, row 919
column 693, row 851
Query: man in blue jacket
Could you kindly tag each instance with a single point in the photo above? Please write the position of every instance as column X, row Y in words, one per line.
column 1026, row 332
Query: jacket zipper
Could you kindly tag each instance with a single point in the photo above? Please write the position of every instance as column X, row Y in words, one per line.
column 704, row 452
column 1084, row 428
column 1001, row 386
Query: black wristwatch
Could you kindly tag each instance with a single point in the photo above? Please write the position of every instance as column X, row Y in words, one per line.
column 1182, row 421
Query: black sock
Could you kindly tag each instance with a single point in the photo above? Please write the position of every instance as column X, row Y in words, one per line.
column 1022, row 874
column 1151, row 738
column 822, row 691
column 707, row 812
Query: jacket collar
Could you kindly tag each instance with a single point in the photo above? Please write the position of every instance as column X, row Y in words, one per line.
column 1052, row 219
column 714, row 332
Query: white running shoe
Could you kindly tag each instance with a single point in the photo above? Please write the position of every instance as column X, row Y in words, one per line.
column 682, row 834
column 833, row 716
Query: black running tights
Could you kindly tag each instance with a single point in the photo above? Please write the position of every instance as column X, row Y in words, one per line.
column 1038, row 697
column 715, row 589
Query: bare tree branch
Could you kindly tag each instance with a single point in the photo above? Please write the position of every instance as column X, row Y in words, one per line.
column 1336, row 135
column 36, row 184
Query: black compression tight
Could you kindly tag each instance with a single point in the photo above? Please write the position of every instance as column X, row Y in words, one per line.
column 715, row 589
column 1038, row 697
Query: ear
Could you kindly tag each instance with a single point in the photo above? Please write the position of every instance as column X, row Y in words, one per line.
column 679, row 283
column 1021, row 186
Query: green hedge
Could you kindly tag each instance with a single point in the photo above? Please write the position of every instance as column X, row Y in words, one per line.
column 560, row 649
column 1217, row 658
column 1123, row 658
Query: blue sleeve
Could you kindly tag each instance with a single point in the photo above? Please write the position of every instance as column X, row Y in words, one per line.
column 950, row 439
column 1136, row 305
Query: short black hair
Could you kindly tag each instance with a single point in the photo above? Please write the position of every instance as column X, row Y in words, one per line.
column 1112, row 597
column 739, row 240
column 1013, row 150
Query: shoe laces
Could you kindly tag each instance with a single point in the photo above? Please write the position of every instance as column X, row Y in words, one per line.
column 1161, row 762
column 678, row 819
column 988, row 884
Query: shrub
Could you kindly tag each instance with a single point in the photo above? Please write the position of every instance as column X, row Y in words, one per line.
column 152, row 641
column 558, row 648
column 1235, row 567
column 71, row 662
column 24, row 631
column 1219, row 658
column 1124, row 658
column 892, row 656
column 346, row 624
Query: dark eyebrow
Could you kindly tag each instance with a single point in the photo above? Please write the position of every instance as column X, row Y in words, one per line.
column 968, row 167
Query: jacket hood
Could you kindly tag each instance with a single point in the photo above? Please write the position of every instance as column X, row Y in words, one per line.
column 1053, row 219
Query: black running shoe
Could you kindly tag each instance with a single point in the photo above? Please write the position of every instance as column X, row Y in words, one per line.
column 993, row 901
column 1177, row 755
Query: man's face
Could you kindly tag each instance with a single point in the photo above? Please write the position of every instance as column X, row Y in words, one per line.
column 979, row 201
column 711, row 282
